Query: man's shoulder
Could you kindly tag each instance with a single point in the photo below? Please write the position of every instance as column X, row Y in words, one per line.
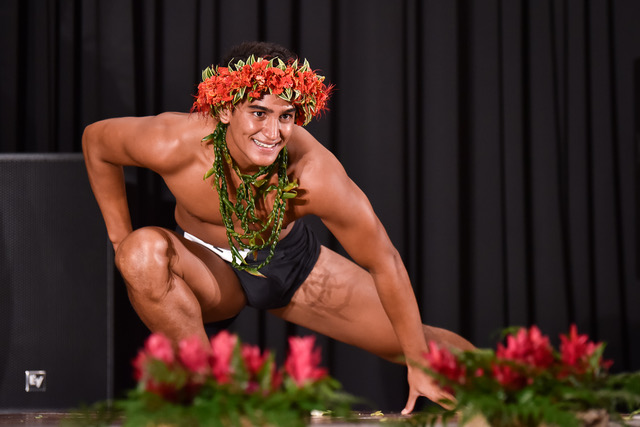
column 171, row 129
column 305, row 147
column 315, row 165
column 180, row 122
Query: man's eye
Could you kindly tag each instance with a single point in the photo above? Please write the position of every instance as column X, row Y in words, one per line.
column 258, row 113
column 286, row 116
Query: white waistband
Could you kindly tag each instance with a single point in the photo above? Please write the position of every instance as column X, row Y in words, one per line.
column 223, row 253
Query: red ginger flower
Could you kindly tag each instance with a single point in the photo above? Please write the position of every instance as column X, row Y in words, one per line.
column 576, row 351
column 253, row 358
column 159, row 347
column 222, row 346
column 529, row 347
column 138, row 365
column 156, row 347
column 509, row 377
column 445, row 363
column 303, row 360
column 193, row 355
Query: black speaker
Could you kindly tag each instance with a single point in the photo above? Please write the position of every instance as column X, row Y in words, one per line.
column 56, row 292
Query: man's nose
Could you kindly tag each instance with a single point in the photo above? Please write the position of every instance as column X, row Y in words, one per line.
column 271, row 128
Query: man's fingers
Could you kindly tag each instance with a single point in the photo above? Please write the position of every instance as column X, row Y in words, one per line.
column 411, row 403
column 450, row 401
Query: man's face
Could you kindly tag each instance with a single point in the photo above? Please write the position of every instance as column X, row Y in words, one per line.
column 258, row 130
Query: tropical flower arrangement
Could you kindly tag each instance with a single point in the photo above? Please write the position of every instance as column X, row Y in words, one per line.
column 230, row 384
column 224, row 87
column 528, row 383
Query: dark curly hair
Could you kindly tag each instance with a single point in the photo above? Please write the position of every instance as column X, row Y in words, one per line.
column 265, row 50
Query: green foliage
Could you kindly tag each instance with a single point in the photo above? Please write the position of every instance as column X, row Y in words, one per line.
column 529, row 384
column 237, row 387
column 220, row 407
column 248, row 192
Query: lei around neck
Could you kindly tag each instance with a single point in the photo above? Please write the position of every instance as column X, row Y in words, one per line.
column 251, row 188
column 223, row 88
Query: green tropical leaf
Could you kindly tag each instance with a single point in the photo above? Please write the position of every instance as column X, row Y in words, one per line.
column 209, row 173
column 289, row 195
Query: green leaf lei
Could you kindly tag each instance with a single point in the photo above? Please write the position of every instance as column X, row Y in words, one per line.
column 249, row 190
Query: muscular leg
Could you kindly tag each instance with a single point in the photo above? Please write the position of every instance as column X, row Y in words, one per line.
column 175, row 285
column 339, row 299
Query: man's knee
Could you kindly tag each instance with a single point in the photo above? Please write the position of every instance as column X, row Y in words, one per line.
column 145, row 258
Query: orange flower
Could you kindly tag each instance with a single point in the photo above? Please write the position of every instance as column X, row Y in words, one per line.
column 222, row 87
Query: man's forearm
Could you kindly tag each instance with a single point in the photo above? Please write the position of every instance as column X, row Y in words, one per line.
column 108, row 185
column 399, row 302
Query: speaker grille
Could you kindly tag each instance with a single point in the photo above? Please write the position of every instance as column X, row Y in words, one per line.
column 55, row 284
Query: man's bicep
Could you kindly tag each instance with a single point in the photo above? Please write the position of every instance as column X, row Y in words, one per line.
column 118, row 140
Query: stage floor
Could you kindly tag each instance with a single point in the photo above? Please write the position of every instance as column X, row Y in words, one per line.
column 30, row 419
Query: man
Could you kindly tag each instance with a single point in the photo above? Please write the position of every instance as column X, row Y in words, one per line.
column 240, row 243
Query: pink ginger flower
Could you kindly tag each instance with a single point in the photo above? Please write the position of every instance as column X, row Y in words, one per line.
column 303, row 360
column 509, row 377
column 445, row 363
column 254, row 361
column 529, row 347
column 138, row 365
column 576, row 351
column 159, row 347
column 193, row 355
column 222, row 346
column 253, row 358
column 156, row 347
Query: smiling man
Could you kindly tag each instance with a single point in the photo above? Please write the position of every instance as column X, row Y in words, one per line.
column 240, row 240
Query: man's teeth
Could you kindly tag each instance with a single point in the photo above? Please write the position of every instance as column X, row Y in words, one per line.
column 261, row 144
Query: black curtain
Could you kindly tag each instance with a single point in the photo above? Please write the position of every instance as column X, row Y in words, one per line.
column 495, row 138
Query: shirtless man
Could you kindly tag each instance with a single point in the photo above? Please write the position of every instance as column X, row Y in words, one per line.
column 177, row 281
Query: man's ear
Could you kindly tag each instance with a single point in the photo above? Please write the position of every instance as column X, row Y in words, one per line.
column 225, row 116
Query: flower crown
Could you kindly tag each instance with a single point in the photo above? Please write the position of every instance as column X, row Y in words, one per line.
column 224, row 87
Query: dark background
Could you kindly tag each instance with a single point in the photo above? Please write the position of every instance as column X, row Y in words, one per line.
column 496, row 139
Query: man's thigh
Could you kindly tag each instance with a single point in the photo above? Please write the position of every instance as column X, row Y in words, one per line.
column 211, row 279
column 339, row 299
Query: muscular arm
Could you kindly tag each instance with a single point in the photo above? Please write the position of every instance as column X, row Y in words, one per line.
column 109, row 145
column 347, row 213
column 104, row 158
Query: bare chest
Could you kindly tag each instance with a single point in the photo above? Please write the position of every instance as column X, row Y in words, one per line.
column 198, row 205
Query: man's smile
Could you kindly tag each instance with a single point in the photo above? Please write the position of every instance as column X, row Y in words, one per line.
column 264, row 144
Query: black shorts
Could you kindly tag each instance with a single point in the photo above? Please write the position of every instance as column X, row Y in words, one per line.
column 293, row 259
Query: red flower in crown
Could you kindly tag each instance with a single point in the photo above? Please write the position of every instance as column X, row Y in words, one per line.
column 224, row 87
column 303, row 360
